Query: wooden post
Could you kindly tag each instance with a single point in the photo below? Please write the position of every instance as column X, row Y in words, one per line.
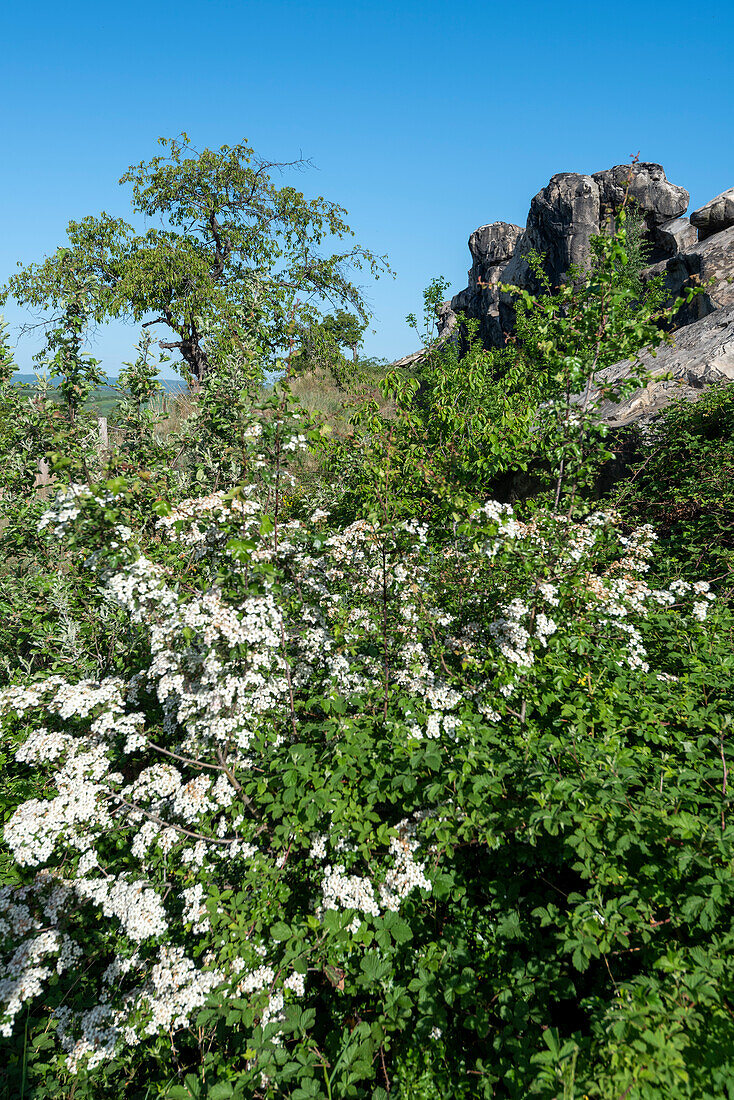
column 43, row 477
column 104, row 441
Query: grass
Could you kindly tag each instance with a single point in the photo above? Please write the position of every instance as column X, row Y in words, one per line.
column 326, row 400
column 322, row 395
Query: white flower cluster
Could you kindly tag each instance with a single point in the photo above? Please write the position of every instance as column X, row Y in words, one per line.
column 406, row 874
column 29, row 918
column 403, row 874
column 136, row 905
column 507, row 526
column 615, row 594
column 295, row 443
column 342, row 891
column 67, row 506
column 195, row 907
column 176, row 990
column 23, row 975
column 88, row 1038
column 71, row 817
column 62, row 698
column 195, row 521
column 511, row 636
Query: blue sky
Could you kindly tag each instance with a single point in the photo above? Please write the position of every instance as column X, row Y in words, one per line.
column 424, row 120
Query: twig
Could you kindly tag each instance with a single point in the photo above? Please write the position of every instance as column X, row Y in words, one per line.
column 228, row 771
column 183, row 759
column 384, row 1068
column 723, row 782
column 170, row 825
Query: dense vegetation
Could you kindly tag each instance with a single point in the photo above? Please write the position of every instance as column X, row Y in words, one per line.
column 382, row 753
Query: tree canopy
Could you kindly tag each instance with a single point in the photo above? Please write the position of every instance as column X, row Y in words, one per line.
column 236, row 262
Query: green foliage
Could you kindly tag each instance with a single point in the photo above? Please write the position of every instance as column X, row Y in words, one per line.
column 514, row 423
column 137, row 417
column 7, row 363
column 235, row 262
column 322, row 347
column 63, row 355
column 29, row 421
column 421, row 795
column 682, row 481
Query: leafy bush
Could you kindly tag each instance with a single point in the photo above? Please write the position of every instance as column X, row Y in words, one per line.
column 375, row 786
column 683, row 482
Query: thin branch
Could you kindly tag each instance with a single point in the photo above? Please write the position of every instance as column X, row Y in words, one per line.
column 170, row 825
column 183, row 759
column 228, row 772
column 723, row 782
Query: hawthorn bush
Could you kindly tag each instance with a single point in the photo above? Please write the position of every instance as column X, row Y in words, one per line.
column 387, row 788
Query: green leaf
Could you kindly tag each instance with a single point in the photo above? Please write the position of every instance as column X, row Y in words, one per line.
column 280, row 931
column 220, row 1091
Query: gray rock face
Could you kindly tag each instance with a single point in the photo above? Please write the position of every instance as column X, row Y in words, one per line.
column 675, row 235
column 447, row 319
column 702, row 355
column 491, row 247
column 650, row 192
column 493, row 244
column 714, row 216
column 697, row 265
column 563, row 218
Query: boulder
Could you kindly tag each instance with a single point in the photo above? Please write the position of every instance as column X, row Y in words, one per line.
column 447, row 319
column 702, row 355
column 714, row 216
column 650, row 192
column 491, row 247
column 672, row 236
column 493, row 244
column 562, row 219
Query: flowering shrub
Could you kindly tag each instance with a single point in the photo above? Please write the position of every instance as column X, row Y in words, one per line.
column 374, row 790
column 259, row 847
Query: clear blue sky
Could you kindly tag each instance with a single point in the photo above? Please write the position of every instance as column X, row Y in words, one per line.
column 424, row 120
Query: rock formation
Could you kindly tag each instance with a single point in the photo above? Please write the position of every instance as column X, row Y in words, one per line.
column 563, row 218
column 701, row 356
column 708, row 263
column 715, row 216
column 492, row 248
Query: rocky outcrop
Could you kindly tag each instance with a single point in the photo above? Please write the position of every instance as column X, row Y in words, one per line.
column 702, row 355
column 707, row 263
column 715, row 216
column 651, row 193
column 492, row 248
column 675, row 235
column 563, row 218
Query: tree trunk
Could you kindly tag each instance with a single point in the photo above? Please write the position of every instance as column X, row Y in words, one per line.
column 191, row 352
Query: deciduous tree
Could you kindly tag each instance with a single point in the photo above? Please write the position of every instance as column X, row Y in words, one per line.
column 233, row 263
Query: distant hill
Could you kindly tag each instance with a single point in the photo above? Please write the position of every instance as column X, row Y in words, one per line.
column 170, row 385
column 103, row 400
